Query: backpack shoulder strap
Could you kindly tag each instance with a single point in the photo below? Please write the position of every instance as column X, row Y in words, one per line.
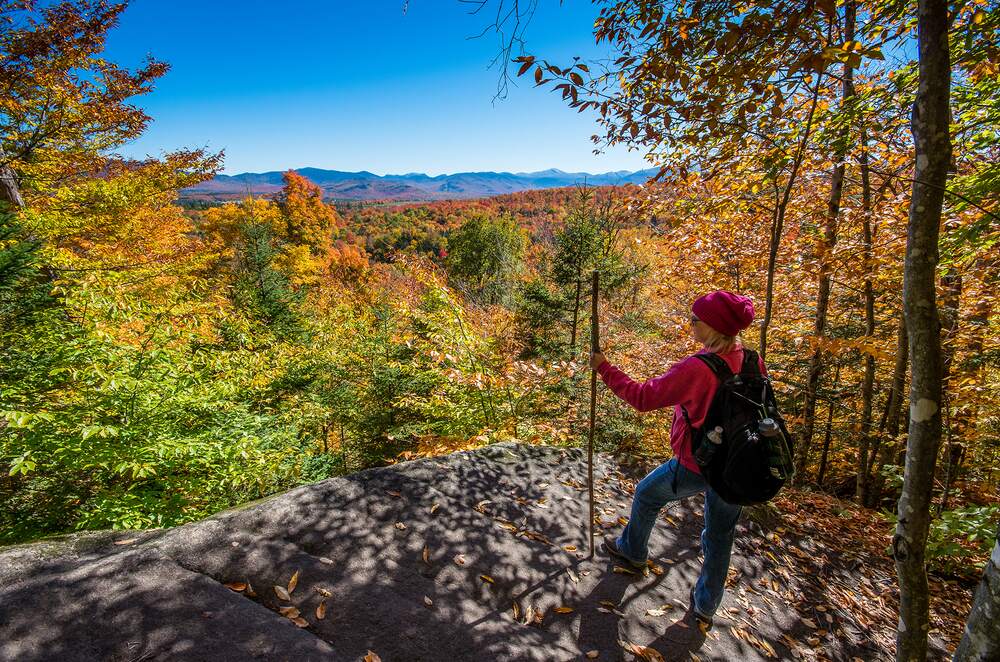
column 717, row 365
column 751, row 366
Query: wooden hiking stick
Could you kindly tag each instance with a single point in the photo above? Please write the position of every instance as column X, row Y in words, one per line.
column 595, row 346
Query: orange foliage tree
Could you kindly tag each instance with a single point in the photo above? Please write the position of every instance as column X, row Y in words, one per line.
column 63, row 107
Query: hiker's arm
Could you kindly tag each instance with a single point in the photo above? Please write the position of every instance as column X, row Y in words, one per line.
column 663, row 391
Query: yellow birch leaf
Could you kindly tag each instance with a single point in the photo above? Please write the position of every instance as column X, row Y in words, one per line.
column 282, row 593
column 563, row 610
column 236, row 586
column 321, row 611
column 293, row 582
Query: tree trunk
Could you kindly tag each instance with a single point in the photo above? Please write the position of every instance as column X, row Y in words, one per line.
column 829, row 428
column 981, row 641
column 867, row 450
column 778, row 222
column 343, row 448
column 930, row 127
column 825, row 250
column 889, row 432
column 576, row 316
column 9, row 190
column 954, row 456
column 898, row 378
column 952, row 284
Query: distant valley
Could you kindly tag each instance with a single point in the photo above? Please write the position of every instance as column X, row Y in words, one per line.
column 365, row 185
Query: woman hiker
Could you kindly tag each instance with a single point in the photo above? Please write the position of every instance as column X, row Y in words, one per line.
column 716, row 320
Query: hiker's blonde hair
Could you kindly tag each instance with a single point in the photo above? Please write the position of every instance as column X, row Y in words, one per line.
column 719, row 343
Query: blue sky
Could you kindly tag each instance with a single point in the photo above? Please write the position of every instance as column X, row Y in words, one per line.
column 357, row 85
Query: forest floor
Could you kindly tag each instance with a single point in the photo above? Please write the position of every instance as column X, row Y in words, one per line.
column 470, row 556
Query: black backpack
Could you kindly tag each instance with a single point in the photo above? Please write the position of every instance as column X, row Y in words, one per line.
column 749, row 460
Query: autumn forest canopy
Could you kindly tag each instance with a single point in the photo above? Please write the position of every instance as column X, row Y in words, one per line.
column 160, row 362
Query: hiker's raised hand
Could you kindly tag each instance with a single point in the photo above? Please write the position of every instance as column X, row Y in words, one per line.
column 596, row 359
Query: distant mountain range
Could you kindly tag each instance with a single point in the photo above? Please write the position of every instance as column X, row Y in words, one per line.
column 364, row 185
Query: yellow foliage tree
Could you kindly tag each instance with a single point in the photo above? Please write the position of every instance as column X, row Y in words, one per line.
column 220, row 227
column 309, row 221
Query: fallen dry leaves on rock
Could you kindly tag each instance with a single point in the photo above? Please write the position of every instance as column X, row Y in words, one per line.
column 643, row 652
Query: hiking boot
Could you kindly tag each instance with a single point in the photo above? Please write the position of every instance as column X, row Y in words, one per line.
column 611, row 547
column 704, row 622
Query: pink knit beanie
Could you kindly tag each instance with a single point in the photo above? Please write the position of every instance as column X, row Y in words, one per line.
column 724, row 311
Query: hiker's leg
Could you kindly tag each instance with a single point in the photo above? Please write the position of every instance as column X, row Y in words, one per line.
column 716, row 545
column 651, row 494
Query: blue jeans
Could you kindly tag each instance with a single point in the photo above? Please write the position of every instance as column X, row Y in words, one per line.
column 657, row 490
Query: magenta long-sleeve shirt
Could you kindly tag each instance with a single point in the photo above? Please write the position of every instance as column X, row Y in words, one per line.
column 688, row 383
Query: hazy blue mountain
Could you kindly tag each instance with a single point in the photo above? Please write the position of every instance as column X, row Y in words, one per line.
column 365, row 185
